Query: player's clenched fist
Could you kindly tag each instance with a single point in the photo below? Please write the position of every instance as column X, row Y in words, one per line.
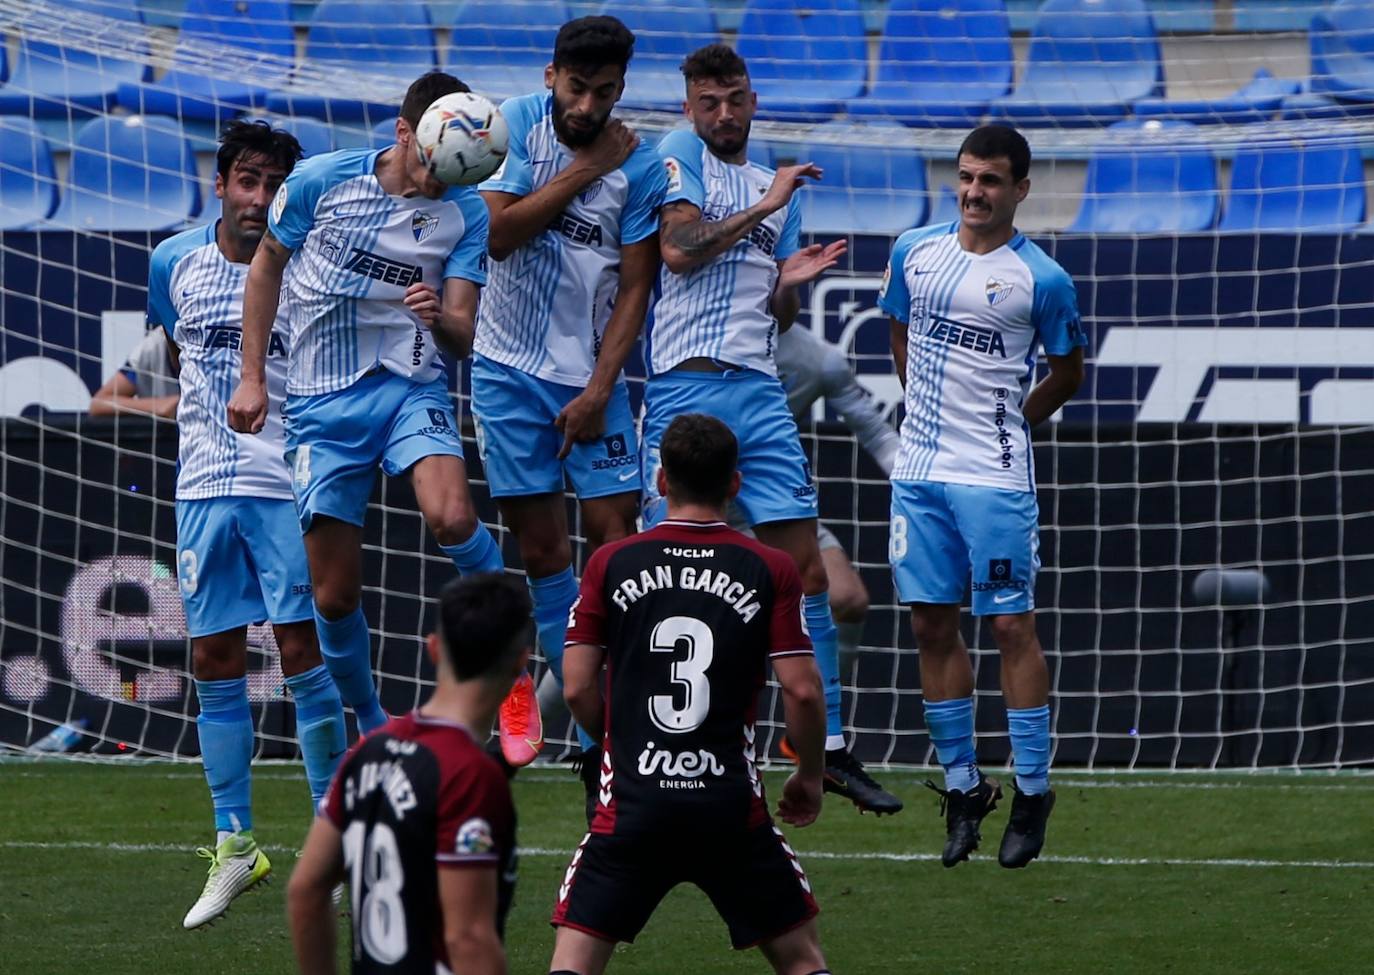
column 800, row 803
column 248, row 407
column 423, row 301
column 611, row 147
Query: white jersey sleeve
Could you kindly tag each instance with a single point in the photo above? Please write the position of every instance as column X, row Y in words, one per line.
column 975, row 324
column 195, row 296
column 723, row 309
column 547, row 304
column 358, row 250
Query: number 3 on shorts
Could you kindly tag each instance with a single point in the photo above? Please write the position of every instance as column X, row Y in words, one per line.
column 896, row 545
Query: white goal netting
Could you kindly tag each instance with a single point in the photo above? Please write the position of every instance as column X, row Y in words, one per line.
column 1207, row 597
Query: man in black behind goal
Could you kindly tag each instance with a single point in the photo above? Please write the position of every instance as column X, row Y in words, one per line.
column 687, row 617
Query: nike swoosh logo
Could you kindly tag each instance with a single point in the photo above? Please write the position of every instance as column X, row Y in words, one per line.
column 1008, row 597
column 334, row 755
column 629, row 474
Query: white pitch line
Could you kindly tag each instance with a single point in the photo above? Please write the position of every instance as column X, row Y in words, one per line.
column 538, row 851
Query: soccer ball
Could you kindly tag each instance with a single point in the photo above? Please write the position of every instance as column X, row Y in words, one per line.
column 461, row 139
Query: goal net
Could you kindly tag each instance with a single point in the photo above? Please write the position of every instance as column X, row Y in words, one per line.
column 1207, row 594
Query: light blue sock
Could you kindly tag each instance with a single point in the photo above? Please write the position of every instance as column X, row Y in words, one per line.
column 479, row 553
column 951, row 732
column 319, row 728
column 225, row 728
column 1030, row 748
column 825, row 638
column 553, row 597
column 347, row 651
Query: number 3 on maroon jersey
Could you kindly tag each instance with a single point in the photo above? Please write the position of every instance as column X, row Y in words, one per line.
column 688, row 674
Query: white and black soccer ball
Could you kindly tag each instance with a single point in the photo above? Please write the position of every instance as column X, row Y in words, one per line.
column 461, row 138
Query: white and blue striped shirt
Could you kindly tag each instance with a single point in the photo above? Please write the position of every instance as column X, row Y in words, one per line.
column 195, row 294
column 975, row 323
column 358, row 249
column 722, row 309
column 545, row 309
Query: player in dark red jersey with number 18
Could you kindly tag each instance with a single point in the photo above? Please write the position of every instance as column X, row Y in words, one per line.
column 687, row 618
column 419, row 819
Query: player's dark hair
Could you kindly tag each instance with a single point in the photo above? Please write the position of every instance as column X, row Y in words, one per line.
column 699, row 455
column 424, row 91
column 999, row 142
column 240, row 138
column 484, row 620
column 588, row 44
column 714, row 62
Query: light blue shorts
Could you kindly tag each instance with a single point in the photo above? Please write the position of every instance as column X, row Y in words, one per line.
column 775, row 474
column 241, row 561
column 514, row 413
column 336, row 441
column 943, row 533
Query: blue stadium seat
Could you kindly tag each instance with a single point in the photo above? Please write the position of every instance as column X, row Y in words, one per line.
column 355, row 44
column 1342, row 42
column 1135, row 186
column 136, row 172
column 1088, row 61
column 870, row 185
column 54, row 81
column 666, row 31
column 807, row 58
column 941, row 62
column 1311, row 107
column 1296, row 187
column 314, row 136
column 383, row 134
column 944, row 206
column 500, row 47
column 1259, row 99
column 251, row 27
column 28, row 187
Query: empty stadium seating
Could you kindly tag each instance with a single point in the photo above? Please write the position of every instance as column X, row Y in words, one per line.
column 1342, row 44
column 377, row 47
column 1296, row 187
column 806, row 63
column 666, row 31
column 1149, row 187
column 881, row 188
column 941, row 62
column 500, row 47
column 1088, row 61
column 131, row 173
column 28, row 188
column 53, row 80
column 193, row 89
column 1255, row 101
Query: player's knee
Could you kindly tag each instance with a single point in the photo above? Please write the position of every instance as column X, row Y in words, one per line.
column 336, row 602
column 298, row 648
column 935, row 635
column 1013, row 633
column 217, row 658
column 813, row 577
column 454, row 524
column 849, row 604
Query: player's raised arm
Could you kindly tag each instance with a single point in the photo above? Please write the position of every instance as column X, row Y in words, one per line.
column 309, row 907
column 518, row 216
column 468, row 900
column 248, row 406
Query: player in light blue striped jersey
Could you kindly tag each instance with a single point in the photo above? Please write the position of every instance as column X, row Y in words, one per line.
column 733, row 262
column 372, row 238
column 239, row 553
column 970, row 305
column 574, row 242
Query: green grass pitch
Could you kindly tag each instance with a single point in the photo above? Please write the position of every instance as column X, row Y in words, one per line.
column 1142, row 873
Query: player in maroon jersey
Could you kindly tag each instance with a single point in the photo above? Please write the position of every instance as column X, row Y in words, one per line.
column 687, row 618
column 420, row 793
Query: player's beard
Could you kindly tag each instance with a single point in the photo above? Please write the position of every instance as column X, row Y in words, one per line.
column 730, row 142
column 573, row 138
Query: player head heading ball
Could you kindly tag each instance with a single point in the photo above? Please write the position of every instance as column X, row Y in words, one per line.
column 698, row 463
column 720, row 101
column 252, row 162
column 484, row 632
column 419, row 96
column 994, row 177
column 587, row 76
